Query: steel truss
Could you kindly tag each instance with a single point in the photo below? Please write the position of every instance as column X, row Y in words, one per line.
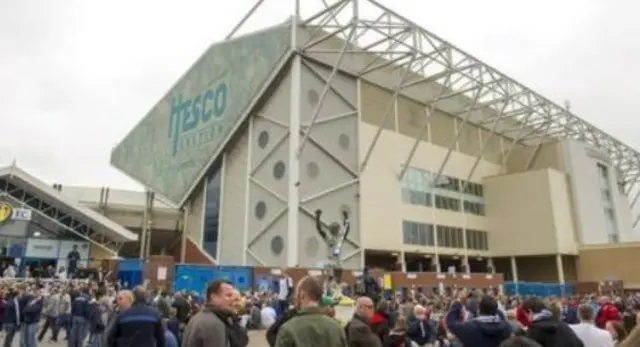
column 414, row 56
column 63, row 222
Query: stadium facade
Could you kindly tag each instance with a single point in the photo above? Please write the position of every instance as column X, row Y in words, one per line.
column 440, row 160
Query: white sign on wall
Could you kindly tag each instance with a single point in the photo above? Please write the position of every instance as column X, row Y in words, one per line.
column 67, row 246
column 21, row 214
column 42, row 248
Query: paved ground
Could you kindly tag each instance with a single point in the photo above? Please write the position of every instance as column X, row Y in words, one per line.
column 257, row 339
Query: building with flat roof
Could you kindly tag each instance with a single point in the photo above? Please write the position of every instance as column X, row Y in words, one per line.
column 442, row 162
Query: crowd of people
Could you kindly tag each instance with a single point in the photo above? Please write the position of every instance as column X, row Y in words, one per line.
column 97, row 314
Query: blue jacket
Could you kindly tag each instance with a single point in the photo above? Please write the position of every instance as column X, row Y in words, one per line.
column 11, row 311
column 482, row 331
column 22, row 302
column 32, row 311
column 169, row 339
column 138, row 326
column 96, row 323
column 80, row 306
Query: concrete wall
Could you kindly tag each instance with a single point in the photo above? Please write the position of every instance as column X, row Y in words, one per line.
column 529, row 214
column 257, row 176
column 549, row 155
column 381, row 187
column 582, row 167
column 608, row 263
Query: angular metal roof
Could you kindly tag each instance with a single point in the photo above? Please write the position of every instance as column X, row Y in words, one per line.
column 100, row 223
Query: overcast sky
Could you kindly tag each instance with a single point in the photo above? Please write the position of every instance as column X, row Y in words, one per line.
column 75, row 76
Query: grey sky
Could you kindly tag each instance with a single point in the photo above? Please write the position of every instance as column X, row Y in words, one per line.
column 75, row 76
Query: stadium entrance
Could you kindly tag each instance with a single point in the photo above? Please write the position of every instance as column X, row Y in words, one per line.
column 41, row 230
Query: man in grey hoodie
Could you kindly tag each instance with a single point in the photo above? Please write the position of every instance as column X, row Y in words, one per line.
column 51, row 313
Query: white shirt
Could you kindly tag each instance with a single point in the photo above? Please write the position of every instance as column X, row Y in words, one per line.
column 267, row 317
column 9, row 272
column 284, row 284
column 592, row 336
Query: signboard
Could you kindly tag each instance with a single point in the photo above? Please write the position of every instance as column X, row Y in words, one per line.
column 67, row 246
column 10, row 213
column 42, row 248
column 176, row 140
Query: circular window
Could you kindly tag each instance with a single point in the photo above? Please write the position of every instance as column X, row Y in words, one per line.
column 260, row 210
column 344, row 141
column 313, row 97
column 279, row 169
column 277, row 245
column 311, row 246
column 313, row 169
column 263, row 139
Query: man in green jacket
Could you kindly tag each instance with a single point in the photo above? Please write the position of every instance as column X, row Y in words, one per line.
column 310, row 327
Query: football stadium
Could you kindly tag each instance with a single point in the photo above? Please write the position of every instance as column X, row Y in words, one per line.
column 442, row 162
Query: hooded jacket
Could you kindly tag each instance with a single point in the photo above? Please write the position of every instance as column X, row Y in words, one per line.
column 482, row 331
column 550, row 332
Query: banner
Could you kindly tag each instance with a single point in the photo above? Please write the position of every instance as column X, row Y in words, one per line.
column 42, row 248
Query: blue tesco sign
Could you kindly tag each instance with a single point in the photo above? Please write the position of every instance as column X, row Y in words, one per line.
column 192, row 120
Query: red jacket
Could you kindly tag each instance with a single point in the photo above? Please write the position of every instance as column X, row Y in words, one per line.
column 522, row 317
column 608, row 312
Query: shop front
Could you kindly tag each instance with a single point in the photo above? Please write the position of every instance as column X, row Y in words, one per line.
column 43, row 255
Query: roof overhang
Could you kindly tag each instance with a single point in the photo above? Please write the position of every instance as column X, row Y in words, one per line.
column 101, row 227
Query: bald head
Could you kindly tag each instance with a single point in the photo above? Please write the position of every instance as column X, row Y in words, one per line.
column 364, row 307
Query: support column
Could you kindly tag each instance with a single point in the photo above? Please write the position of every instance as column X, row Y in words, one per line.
column 144, row 226
column 491, row 266
column 514, row 269
column 183, row 241
column 560, row 267
column 294, row 159
column 465, row 262
column 403, row 261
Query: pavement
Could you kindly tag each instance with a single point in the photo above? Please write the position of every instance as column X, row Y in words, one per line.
column 256, row 339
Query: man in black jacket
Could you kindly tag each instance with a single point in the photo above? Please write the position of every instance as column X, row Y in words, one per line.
column 97, row 321
column 488, row 329
column 547, row 330
column 11, row 322
column 138, row 326
column 79, row 317
column 31, row 313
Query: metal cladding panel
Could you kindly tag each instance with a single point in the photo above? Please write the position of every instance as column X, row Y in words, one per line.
column 173, row 144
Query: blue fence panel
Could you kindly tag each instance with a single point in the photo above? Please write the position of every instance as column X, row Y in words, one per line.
column 130, row 272
column 130, row 279
column 192, row 278
column 240, row 276
column 130, row 265
column 538, row 289
column 197, row 277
